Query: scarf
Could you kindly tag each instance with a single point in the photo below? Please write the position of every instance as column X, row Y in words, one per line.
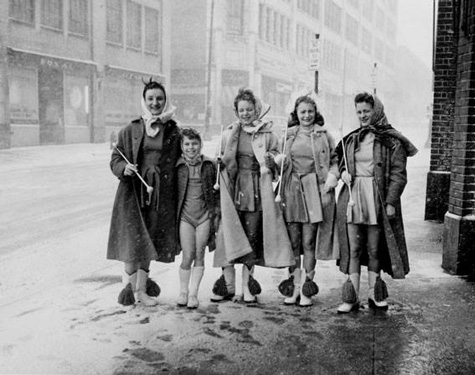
column 192, row 162
column 382, row 130
column 168, row 113
column 261, row 110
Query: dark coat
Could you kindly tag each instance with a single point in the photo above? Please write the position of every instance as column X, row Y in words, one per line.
column 211, row 196
column 129, row 238
column 391, row 177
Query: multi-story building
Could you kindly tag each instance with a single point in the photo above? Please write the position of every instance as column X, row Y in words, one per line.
column 72, row 70
column 264, row 45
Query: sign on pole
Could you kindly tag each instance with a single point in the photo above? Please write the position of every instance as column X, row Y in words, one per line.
column 314, row 53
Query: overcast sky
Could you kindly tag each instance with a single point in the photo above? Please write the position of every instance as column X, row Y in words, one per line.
column 415, row 27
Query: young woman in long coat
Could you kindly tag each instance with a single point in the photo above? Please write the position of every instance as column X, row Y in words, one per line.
column 143, row 225
column 252, row 229
column 371, row 232
column 308, row 196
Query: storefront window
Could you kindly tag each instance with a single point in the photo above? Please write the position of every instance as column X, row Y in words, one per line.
column 76, row 101
column 122, row 101
column 23, row 96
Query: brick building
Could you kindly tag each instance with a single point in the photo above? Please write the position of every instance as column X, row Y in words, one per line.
column 451, row 180
column 265, row 45
column 71, row 70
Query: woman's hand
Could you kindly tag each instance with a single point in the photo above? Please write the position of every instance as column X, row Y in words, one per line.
column 390, row 211
column 130, row 169
column 330, row 183
column 269, row 161
column 346, row 177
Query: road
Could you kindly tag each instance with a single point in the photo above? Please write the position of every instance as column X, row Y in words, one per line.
column 60, row 316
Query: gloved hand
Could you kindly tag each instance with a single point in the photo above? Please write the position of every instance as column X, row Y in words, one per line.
column 269, row 161
column 330, row 183
column 346, row 177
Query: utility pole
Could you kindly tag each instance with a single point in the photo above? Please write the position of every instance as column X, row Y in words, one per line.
column 208, row 78
column 374, row 74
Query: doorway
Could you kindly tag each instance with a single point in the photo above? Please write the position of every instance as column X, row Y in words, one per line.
column 51, row 105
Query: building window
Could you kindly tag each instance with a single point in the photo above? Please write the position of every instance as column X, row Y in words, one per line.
column 52, row 14
column 333, row 16
column 351, row 30
column 23, row 96
column 78, row 17
column 134, row 23
column 23, row 10
column 262, row 22
column 152, row 34
column 270, row 26
column 331, row 55
column 380, row 20
column 114, row 21
column 234, row 16
column 379, row 49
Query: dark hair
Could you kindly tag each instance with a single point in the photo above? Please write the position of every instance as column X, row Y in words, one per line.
column 294, row 120
column 190, row 133
column 246, row 95
column 151, row 84
column 364, row 97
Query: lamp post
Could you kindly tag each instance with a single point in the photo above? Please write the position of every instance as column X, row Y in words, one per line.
column 208, row 78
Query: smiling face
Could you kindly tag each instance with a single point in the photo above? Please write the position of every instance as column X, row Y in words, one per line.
column 246, row 112
column 191, row 147
column 365, row 112
column 306, row 114
column 155, row 101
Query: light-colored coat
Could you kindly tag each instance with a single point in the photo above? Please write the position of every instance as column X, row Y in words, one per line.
column 232, row 242
column 326, row 161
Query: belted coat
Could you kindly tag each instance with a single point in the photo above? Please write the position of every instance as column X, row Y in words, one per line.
column 129, row 238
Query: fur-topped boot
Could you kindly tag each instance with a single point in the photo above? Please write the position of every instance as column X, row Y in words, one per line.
column 350, row 294
column 141, row 289
column 224, row 288
column 308, row 288
column 377, row 291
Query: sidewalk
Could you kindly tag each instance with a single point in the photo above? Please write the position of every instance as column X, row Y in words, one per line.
column 76, row 326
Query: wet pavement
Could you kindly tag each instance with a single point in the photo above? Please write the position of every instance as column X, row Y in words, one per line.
column 68, row 322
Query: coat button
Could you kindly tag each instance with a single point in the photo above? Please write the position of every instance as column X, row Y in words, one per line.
column 261, row 145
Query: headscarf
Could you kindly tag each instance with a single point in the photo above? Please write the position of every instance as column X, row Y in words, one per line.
column 382, row 130
column 168, row 113
column 261, row 109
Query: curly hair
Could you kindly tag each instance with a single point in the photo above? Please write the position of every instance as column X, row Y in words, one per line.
column 244, row 94
column 151, row 84
column 190, row 133
column 364, row 97
column 294, row 120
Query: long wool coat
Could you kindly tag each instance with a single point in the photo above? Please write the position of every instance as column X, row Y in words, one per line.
column 129, row 238
column 391, row 177
column 211, row 196
column 326, row 161
column 232, row 242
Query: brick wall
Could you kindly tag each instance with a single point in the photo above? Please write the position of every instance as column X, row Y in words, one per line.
column 445, row 74
column 459, row 223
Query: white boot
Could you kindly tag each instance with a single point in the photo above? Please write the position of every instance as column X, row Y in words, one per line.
column 304, row 300
column 141, row 293
column 229, row 274
column 293, row 300
column 196, row 276
column 346, row 307
column 126, row 296
column 382, row 305
column 184, row 281
column 246, row 294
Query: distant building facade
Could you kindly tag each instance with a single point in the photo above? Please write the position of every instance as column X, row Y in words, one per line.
column 72, row 70
column 450, row 195
column 265, row 45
